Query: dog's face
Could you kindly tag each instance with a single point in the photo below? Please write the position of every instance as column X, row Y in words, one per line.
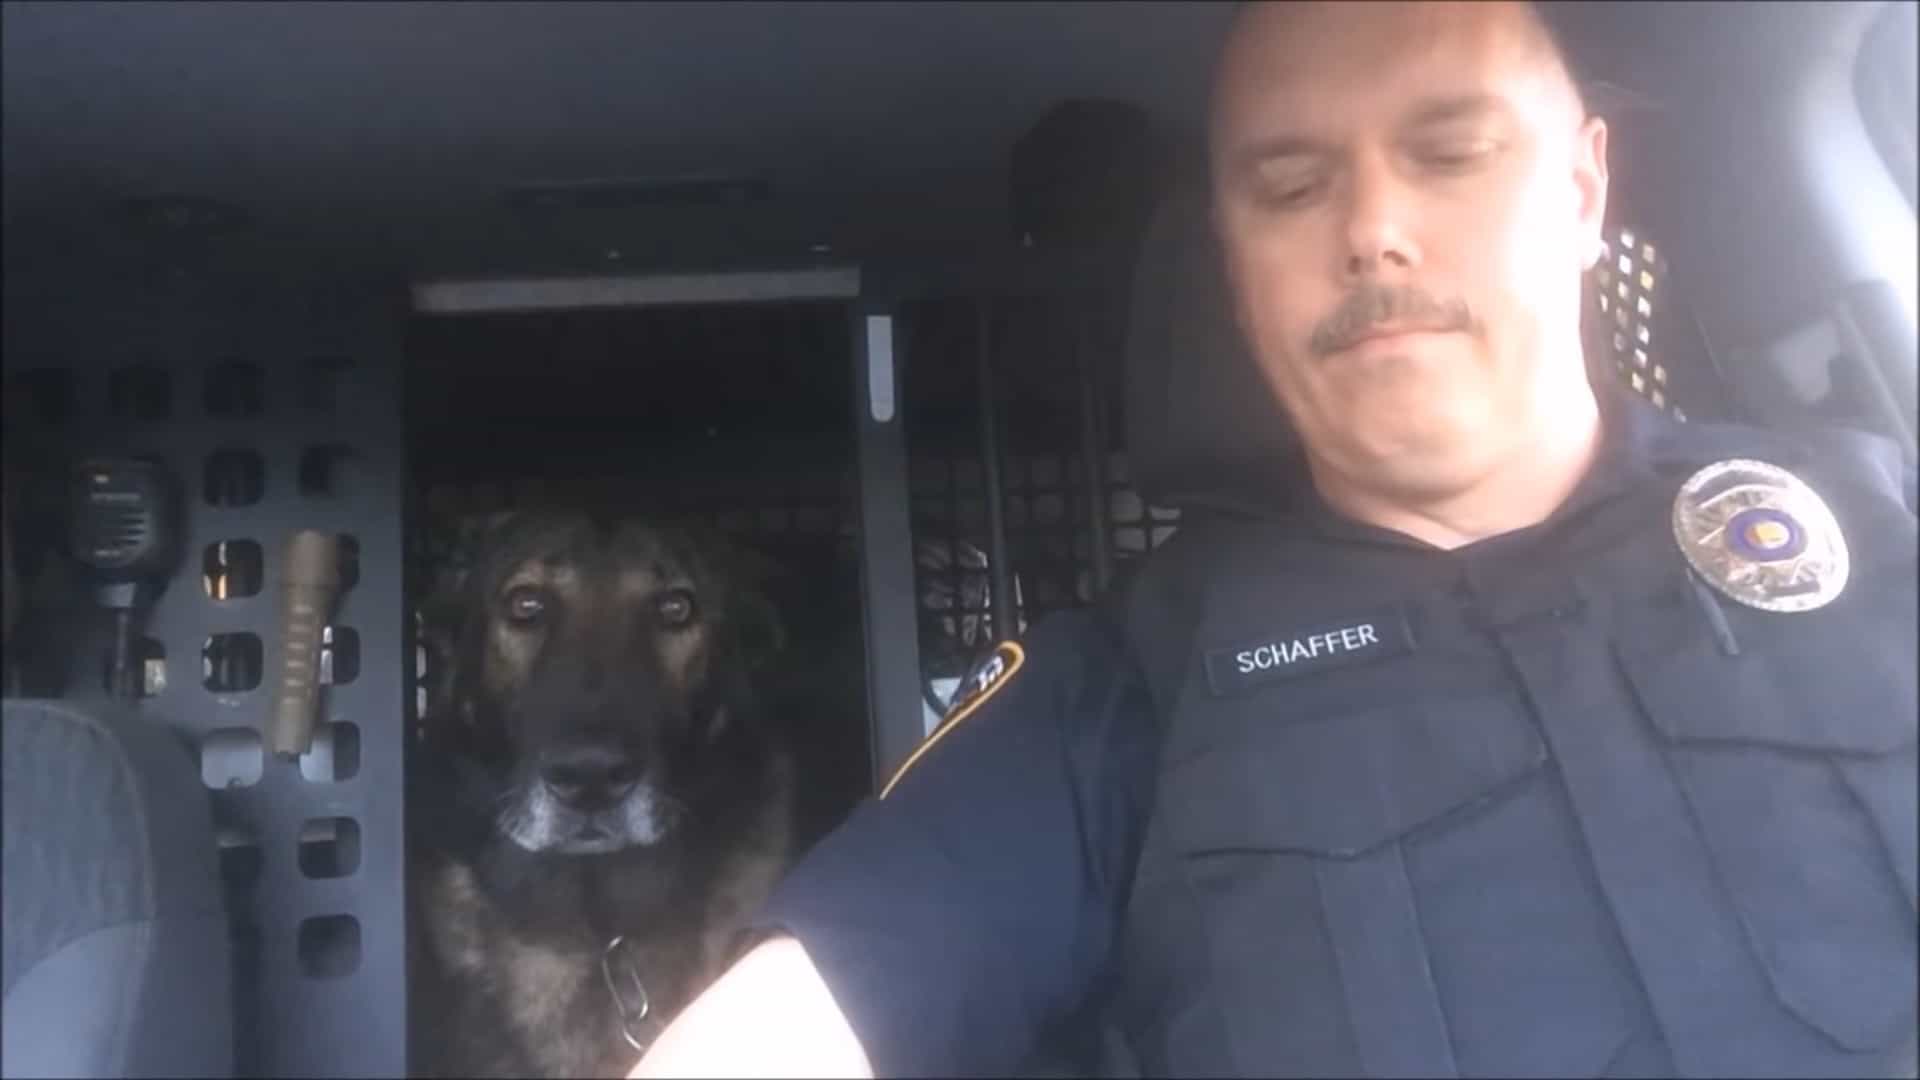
column 597, row 674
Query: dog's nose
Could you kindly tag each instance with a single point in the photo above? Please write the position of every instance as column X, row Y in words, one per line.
column 586, row 777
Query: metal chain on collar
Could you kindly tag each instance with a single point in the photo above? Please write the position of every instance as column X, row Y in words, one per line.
column 632, row 1004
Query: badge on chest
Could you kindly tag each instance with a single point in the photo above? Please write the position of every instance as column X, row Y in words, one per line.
column 1759, row 535
column 1291, row 653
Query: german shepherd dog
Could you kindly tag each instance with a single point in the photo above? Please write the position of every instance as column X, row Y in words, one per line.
column 599, row 800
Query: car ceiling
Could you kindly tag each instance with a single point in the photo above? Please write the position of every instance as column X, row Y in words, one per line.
column 880, row 126
column 873, row 117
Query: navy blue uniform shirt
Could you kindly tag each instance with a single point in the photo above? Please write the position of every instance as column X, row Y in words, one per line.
column 958, row 918
column 976, row 903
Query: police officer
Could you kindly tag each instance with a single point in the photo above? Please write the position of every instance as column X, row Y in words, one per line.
column 1543, row 736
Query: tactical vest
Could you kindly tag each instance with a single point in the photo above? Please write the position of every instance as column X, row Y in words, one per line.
column 1540, row 807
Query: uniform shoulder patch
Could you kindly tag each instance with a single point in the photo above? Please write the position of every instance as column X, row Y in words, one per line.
column 986, row 679
column 980, row 685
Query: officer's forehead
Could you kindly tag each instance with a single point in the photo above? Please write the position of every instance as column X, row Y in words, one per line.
column 1298, row 66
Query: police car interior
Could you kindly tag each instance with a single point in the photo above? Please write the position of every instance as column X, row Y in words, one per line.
column 298, row 295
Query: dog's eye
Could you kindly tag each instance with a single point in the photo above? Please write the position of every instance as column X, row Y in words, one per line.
column 525, row 605
column 675, row 607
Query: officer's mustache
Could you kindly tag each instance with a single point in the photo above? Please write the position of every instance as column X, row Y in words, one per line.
column 1404, row 307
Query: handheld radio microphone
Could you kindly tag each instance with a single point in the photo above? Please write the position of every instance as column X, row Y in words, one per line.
column 123, row 525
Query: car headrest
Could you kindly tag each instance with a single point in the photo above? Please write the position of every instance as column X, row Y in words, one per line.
column 1202, row 425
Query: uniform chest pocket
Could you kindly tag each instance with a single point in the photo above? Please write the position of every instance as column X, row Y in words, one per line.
column 1339, row 785
column 1797, row 759
column 1312, row 847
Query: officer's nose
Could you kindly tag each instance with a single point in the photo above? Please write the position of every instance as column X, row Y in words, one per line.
column 1376, row 233
column 589, row 776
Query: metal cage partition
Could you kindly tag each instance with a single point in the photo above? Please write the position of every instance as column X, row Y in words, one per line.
column 273, row 399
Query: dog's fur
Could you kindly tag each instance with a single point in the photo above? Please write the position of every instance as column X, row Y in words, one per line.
column 516, row 895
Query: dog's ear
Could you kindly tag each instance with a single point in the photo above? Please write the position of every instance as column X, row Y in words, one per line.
column 459, row 542
column 445, row 608
column 750, row 574
column 762, row 633
column 441, row 627
column 478, row 529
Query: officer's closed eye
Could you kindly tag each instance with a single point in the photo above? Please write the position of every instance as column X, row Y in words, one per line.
column 1287, row 184
column 1455, row 135
column 1454, row 156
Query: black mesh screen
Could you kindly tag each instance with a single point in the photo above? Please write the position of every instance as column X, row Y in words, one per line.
column 1628, row 292
column 1036, row 348
column 1640, row 332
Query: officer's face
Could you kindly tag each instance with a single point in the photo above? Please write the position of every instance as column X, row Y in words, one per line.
column 1407, row 196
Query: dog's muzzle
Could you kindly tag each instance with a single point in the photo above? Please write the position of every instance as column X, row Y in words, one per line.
column 584, row 800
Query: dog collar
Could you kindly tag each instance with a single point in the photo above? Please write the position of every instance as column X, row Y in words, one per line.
column 622, row 975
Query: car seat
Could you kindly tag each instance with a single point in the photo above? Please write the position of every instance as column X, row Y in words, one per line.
column 116, row 955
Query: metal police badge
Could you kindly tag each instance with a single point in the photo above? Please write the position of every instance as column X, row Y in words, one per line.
column 1759, row 535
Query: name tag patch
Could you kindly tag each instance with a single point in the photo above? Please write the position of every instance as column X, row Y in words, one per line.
column 1293, row 653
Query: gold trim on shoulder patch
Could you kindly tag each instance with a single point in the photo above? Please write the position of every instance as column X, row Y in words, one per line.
column 1758, row 534
column 986, row 679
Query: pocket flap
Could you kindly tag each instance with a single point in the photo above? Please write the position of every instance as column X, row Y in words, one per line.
column 1339, row 786
column 1828, row 693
